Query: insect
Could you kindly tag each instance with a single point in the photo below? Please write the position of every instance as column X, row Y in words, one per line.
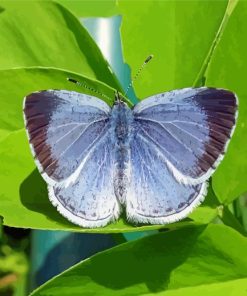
column 154, row 160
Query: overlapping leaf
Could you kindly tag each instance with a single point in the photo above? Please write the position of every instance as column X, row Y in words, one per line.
column 24, row 189
column 191, row 261
column 228, row 69
column 188, row 39
column 178, row 34
column 44, row 33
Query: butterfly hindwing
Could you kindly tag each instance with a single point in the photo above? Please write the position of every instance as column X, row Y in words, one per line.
column 87, row 198
column 154, row 195
column 62, row 126
column 190, row 128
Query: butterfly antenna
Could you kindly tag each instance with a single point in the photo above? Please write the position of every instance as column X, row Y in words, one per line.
column 89, row 88
column 138, row 73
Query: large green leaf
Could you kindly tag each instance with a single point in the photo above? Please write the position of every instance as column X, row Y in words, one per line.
column 22, row 187
column 232, row 288
column 183, row 41
column 179, row 34
column 34, row 33
column 184, row 261
column 228, row 69
column 182, row 53
column 89, row 8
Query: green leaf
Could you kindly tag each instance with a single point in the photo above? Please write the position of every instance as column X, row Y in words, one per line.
column 183, row 42
column 228, row 69
column 184, row 55
column 22, row 187
column 178, row 33
column 17, row 83
column 89, row 8
column 234, row 287
column 200, row 80
column 167, row 29
column 230, row 220
column 181, row 262
column 47, row 34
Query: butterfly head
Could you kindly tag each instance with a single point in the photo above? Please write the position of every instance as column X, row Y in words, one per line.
column 118, row 99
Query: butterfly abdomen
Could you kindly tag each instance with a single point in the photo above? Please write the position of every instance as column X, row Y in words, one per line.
column 121, row 120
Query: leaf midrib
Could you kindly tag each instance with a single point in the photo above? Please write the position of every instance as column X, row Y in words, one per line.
column 231, row 5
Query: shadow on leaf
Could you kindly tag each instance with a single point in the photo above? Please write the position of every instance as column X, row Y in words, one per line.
column 34, row 196
column 151, row 263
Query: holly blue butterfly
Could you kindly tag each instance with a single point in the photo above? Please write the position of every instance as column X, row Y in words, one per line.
column 154, row 159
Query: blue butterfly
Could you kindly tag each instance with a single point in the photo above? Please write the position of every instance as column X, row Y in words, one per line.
column 153, row 160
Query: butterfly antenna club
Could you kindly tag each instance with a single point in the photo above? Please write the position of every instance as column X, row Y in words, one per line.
column 149, row 58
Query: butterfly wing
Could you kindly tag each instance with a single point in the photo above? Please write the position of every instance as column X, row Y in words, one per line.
column 70, row 138
column 87, row 198
column 190, row 128
column 62, row 126
column 154, row 195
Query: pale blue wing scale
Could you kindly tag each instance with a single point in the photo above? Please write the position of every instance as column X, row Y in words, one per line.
column 87, row 198
column 154, row 195
column 62, row 127
column 190, row 127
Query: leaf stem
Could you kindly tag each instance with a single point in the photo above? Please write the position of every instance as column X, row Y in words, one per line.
column 200, row 79
column 229, row 219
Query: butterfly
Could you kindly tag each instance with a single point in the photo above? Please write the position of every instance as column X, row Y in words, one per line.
column 154, row 159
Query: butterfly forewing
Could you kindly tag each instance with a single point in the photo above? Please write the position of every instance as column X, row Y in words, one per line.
column 190, row 128
column 62, row 126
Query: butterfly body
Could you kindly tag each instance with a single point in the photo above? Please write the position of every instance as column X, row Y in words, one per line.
column 121, row 120
column 153, row 159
